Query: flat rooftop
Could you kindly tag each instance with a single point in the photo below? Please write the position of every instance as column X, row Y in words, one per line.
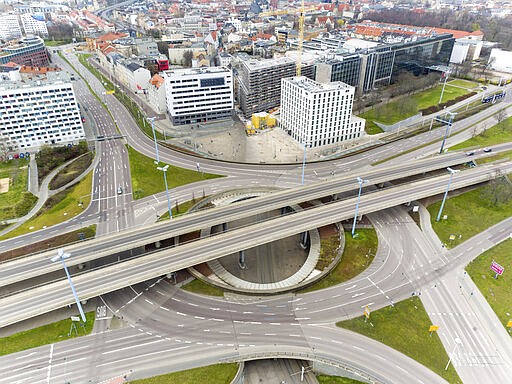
column 314, row 86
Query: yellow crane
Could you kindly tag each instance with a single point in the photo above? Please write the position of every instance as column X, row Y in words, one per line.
column 302, row 11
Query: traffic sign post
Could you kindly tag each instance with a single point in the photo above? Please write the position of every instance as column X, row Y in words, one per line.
column 433, row 328
column 366, row 313
column 497, row 269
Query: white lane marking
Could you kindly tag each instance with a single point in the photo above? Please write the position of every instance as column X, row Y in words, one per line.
column 165, row 309
column 49, row 365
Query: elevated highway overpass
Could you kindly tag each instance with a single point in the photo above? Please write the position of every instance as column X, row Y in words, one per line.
column 42, row 299
column 27, row 267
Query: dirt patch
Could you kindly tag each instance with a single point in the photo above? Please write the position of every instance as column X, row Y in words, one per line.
column 327, row 231
column 4, row 185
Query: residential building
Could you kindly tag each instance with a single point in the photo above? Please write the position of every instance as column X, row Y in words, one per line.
column 258, row 82
column 317, row 114
column 9, row 27
column 26, row 51
column 34, row 24
column 156, row 94
column 132, row 75
column 199, row 94
column 41, row 109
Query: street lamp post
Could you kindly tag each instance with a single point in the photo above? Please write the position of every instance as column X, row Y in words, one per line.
column 164, row 170
column 452, row 171
column 152, row 119
column 457, row 343
column 61, row 256
column 449, row 124
column 360, row 182
column 306, row 144
column 445, row 74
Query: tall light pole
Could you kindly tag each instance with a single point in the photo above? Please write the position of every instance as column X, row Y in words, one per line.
column 306, row 144
column 61, row 256
column 445, row 74
column 449, row 124
column 360, row 182
column 152, row 119
column 457, row 343
column 164, row 169
column 452, row 171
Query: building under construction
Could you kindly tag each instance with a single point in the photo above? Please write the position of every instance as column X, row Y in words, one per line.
column 258, row 82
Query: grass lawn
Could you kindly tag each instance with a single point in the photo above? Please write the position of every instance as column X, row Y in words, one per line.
column 212, row 374
column 498, row 292
column 17, row 201
column 492, row 136
column 463, row 83
column 55, row 43
column 199, row 286
column 405, row 328
column 324, row 379
column 53, row 242
column 468, row 214
column 393, row 111
column 60, row 207
column 72, row 171
column 46, row 334
column 147, row 180
column 357, row 256
column 180, row 209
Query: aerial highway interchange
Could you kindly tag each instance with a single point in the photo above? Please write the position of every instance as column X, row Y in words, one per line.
column 185, row 330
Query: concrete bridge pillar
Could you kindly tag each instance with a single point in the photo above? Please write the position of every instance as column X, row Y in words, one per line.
column 241, row 259
column 304, row 238
column 224, row 227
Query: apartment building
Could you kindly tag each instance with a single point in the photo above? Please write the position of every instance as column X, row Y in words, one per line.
column 38, row 110
column 27, row 51
column 9, row 27
column 34, row 24
column 258, row 82
column 199, row 94
column 317, row 114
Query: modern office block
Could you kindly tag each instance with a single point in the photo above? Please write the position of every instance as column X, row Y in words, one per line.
column 199, row 94
column 317, row 114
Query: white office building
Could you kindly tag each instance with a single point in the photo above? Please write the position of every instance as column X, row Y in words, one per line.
column 9, row 27
column 36, row 112
column 34, row 24
column 317, row 114
column 199, row 94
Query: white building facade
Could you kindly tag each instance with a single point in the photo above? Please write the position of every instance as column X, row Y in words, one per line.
column 317, row 114
column 34, row 114
column 34, row 24
column 9, row 27
column 197, row 95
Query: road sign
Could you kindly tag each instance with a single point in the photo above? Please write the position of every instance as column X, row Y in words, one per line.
column 110, row 92
column 509, row 324
column 367, row 312
column 452, row 237
column 433, row 328
column 496, row 268
column 75, row 318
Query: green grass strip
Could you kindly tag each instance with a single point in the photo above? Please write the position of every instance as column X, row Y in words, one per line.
column 46, row 334
column 498, row 292
column 199, row 286
column 404, row 327
column 357, row 256
column 58, row 208
column 468, row 214
column 147, row 180
column 324, row 379
column 212, row 374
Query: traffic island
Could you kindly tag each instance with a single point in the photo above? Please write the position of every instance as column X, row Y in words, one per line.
column 405, row 327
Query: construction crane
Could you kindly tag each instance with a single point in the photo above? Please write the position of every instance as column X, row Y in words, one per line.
column 302, row 12
column 301, row 39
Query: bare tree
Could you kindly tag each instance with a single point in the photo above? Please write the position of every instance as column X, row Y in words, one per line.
column 501, row 117
column 498, row 191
